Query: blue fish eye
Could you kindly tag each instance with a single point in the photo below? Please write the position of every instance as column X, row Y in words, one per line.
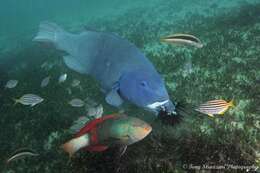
column 144, row 83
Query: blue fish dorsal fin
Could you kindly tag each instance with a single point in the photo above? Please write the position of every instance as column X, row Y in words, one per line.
column 113, row 98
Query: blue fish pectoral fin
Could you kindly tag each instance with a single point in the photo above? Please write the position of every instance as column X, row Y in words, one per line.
column 73, row 64
column 113, row 98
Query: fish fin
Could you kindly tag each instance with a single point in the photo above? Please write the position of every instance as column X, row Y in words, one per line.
column 75, row 144
column 48, row 32
column 92, row 124
column 223, row 112
column 72, row 63
column 15, row 101
column 86, row 129
column 113, row 97
column 96, row 148
column 69, row 148
column 32, row 105
column 231, row 103
column 163, row 40
column 211, row 115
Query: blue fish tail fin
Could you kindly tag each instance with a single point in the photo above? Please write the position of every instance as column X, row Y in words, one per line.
column 48, row 32
column 76, row 57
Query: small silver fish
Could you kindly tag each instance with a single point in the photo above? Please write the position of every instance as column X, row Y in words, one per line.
column 29, row 99
column 75, row 83
column 11, row 84
column 183, row 39
column 21, row 153
column 62, row 78
column 76, row 102
column 214, row 107
column 95, row 112
column 45, row 81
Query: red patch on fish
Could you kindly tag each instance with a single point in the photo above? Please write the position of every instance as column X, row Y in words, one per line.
column 91, row 128
column 96, row 148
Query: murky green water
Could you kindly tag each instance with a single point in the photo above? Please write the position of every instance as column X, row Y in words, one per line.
column 227, row 67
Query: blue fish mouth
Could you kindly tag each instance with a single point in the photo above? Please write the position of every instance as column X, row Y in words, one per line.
column 165, row 107
column 155, row 105
column 164, row 110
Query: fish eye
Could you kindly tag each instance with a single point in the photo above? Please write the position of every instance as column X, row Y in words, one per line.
column 144, row 83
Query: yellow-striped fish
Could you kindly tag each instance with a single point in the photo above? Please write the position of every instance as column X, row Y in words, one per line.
column 215, row 107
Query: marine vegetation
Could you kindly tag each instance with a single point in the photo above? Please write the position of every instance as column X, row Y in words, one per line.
column 226, row 67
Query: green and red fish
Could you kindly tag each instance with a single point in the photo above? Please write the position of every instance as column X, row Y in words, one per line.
column 110, row 130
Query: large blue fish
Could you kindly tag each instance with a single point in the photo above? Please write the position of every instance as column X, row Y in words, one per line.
column 123, row 72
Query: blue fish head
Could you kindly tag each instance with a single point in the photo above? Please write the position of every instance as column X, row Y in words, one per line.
column 146, row 90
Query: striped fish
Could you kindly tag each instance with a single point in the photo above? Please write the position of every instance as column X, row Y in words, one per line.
column 29, row 99
column 215, row 107
column 183, row 39
column 11, row 84
column 21, row 153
